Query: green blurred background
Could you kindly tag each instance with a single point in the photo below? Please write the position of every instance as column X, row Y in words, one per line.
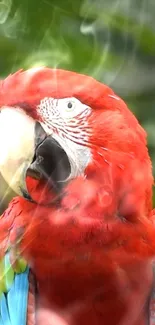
column 112, row 40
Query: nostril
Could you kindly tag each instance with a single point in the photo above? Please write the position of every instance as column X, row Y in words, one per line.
column 40, row 134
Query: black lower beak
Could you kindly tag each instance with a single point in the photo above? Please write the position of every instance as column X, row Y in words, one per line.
column 50, row 161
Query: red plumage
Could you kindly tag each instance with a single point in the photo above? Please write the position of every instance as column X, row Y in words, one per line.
column 91, row 249
column 32, row 85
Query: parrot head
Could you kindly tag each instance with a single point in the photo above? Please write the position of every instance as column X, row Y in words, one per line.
column 57, row 126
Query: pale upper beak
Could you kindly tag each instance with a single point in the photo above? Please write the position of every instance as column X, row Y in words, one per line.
column 27, row 149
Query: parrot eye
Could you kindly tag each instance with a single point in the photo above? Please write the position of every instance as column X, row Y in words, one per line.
column 70, row 106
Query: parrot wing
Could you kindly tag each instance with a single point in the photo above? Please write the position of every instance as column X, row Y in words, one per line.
column 16, row 280
column 14, row 288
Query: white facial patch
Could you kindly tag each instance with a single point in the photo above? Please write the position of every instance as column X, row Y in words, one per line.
column 63, row 110
column 17, row 136
column 67, row 121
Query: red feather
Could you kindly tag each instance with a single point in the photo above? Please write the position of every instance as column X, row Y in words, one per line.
column 91, row 251
column 89, row 266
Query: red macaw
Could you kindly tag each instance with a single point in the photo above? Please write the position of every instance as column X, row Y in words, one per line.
column 77, row 242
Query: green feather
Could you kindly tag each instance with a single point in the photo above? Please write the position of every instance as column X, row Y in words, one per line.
column 6, row 274
column 2, row 281
column 20, row 265
column 8, row 270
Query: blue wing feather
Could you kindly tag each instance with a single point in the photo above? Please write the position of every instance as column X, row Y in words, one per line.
column 18, row 294
column 4, row 315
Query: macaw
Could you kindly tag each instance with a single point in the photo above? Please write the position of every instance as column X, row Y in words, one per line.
column 78, row 241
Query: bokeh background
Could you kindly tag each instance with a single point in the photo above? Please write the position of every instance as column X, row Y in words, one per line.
column 112, row 40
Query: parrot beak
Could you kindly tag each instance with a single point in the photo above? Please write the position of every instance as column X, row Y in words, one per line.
column 50, row 162
column 27, row 150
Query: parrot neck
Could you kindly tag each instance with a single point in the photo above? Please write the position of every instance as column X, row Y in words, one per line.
column 112, row 299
